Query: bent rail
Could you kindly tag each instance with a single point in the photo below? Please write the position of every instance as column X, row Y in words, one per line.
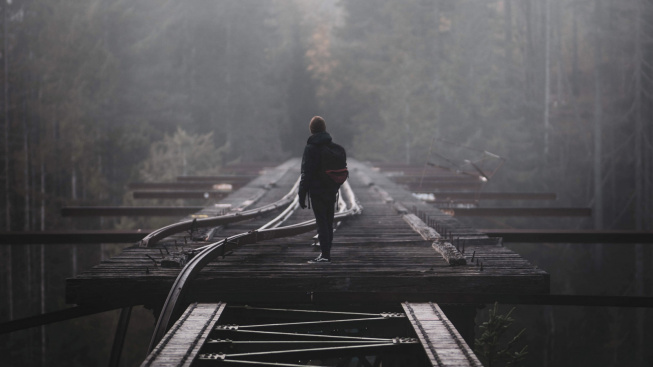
column 163, row 232
column 268, row 231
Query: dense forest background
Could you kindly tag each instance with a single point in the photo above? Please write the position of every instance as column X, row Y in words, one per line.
column 99, row 93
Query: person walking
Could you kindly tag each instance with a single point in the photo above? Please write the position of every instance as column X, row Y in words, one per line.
column 320, row 183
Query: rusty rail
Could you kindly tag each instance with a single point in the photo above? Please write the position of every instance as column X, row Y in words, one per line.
column 171, row 307
column 187, row 225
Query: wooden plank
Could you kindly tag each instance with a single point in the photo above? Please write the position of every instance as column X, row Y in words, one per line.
column 441, row 341
column 180, row 194
column 133, row 211
column 183, row 341
column 218, row 179
column 519, row 212
column 571, row 236
column 454, row 196
column 92, row 237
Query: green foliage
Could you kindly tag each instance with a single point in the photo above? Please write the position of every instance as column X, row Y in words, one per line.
column 492, row 347
column 181, row 154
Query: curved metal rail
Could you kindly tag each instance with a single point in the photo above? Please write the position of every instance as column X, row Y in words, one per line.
column 155, row 236
column 267, row 232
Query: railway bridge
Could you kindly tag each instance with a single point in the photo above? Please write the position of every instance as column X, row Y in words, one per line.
column 230, row 283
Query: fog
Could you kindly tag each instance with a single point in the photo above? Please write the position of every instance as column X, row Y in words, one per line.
column 100, row 93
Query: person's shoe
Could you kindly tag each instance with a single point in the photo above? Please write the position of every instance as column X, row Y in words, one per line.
column 320, row 260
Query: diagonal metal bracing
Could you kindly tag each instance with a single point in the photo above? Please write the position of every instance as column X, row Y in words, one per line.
column 311, row 322
column 314, row 339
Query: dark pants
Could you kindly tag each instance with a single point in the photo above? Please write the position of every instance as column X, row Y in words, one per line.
column 323, row 208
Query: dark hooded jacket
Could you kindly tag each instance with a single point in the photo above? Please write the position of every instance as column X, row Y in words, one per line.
column 311, row 181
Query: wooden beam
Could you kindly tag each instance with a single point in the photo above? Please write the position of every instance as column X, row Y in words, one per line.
column 205, row 186
column 129, row 211
column 430, row 180
column 442, row 343
column 519, row 212
column 326, row 297
column 570, row 236
column 180, row 194
column 218, row 179
column 444, row 184
column 187, row 337
column 71, row 237
column 454, row 196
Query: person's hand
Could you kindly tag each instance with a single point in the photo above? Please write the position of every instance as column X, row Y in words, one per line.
column 302, row 203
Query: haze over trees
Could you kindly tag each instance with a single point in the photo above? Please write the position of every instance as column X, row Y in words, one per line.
column 96, row 94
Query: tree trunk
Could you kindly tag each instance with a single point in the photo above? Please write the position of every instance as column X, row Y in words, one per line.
column 574, row 51
column 507, row 30
column 43, row 336
column 547, row 74
column 5, row 57
column 639, row 180
column 26, row 172
column 597, row 212
column 42, row 259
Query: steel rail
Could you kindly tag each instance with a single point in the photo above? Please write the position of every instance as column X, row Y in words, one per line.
column 314, row 336
column 171, row 307
column 152, row 238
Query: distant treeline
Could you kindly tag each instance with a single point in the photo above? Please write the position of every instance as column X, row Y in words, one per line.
column 98, row 93
column 561, row 88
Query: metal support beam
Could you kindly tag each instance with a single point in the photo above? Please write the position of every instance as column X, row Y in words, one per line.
column 52, row 317
column 119, row 338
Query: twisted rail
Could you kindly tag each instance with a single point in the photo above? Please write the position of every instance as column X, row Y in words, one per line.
column 270, row 230
column 163, row 232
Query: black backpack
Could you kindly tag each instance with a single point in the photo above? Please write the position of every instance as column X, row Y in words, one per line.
column 334, row 163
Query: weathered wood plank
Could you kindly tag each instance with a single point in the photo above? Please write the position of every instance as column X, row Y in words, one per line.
column 183, row 341
column 441, row 341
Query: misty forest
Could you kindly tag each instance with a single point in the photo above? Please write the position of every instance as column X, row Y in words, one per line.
column 100, row 93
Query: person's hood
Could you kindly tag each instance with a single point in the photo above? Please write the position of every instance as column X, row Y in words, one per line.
column 319, row 138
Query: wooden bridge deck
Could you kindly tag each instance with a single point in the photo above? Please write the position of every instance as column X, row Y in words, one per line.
column 377, row 256
column 216, row 333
